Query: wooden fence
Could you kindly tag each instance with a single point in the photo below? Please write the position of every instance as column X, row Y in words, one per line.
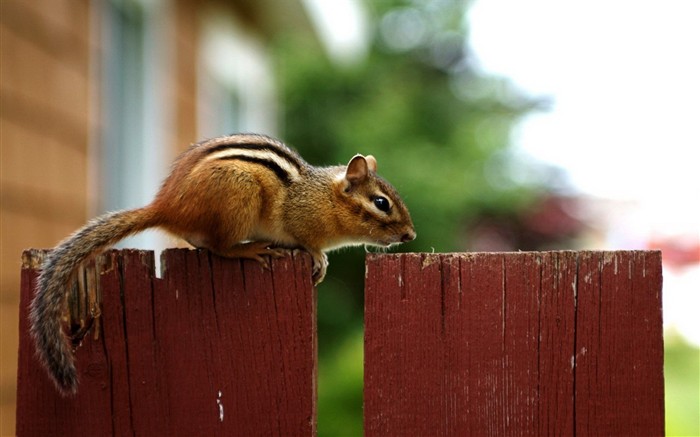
column 214, row 347
column 556, row 343
column 551, row 343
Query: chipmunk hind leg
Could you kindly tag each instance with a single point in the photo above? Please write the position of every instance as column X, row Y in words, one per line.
column 255, row 250
column 228, row 231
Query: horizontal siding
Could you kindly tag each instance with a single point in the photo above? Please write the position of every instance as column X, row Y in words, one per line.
column 30, row 160
column 32, row 75
column 44, row 131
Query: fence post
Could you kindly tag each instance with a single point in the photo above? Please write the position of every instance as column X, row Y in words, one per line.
column 545, row 343
column 214, row 347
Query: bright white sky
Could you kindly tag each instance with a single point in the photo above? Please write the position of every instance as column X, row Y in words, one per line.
column 342, row 26
column 625, row 78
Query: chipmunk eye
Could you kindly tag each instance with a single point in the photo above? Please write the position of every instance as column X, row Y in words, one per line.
column 381, row 203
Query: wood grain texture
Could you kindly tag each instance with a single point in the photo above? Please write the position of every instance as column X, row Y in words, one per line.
column 214, row 347
column 494, row 344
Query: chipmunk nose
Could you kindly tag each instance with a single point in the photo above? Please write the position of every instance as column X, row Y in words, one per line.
column 408, row 236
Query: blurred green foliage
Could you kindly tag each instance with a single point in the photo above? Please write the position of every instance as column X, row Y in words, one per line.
column 682, row 378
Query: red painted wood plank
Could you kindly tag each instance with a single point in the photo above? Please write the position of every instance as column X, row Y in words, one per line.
column 112, row 340
column 521, row 337
column 384, row 291
column 556, row 346
column 619, row 347
column 504, row 344
column 48, row 412
column 483, row 296
column 215, row 347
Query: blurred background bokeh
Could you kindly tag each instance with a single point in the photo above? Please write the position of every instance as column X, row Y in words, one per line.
column 505, row 125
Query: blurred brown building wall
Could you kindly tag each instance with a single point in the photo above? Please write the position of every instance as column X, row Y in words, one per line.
column 45, row 123
column 49, row 116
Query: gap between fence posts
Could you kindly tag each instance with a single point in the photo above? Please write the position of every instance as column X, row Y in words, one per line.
column 495, row 344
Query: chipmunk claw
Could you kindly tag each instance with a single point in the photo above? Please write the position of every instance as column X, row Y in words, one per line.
column 259, row 251
column 319, row 267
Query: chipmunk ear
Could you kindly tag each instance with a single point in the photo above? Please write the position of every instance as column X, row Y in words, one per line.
column 371, row 163
column 357, row 170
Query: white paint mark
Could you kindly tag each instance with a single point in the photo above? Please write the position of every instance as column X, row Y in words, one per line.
column 221, row 407
column 582, row 353
column 629, row 269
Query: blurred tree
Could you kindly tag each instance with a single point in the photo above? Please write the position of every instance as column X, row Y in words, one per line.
column 440, row 132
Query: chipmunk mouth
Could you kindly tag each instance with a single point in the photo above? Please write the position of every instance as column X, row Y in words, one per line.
column 386, row 241
column 397, row 239
column 409, row 235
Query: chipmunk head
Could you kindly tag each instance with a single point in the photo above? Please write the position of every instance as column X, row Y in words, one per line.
column 379, row 215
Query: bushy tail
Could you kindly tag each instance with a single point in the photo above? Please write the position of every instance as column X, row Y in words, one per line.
column 52, row 345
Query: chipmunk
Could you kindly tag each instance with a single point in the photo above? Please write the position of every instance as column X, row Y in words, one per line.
column 240, row 196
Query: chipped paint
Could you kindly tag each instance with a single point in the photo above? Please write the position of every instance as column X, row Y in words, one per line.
column 608, row 257
column 221, row 407
column 33, row 258
column 428, row 260
column 107, row 263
